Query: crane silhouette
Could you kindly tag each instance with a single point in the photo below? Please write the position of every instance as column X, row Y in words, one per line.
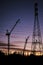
column 9, row 33
column 25, row 44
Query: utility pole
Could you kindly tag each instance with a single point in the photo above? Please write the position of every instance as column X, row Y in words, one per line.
column 9, row 33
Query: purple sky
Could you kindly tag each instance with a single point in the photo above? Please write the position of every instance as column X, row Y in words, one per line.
column 11, row 11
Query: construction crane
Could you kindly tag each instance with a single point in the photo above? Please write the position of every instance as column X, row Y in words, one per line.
column 9, row 33
column 25, row 44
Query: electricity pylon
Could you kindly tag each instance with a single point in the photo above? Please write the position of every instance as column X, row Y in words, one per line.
column 36, row 38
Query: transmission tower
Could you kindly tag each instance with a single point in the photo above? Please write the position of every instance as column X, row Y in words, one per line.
column 36, row 38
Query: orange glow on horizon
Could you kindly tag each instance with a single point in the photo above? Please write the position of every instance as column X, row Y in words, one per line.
column 17, row 51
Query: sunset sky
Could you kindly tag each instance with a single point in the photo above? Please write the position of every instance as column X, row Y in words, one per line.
column 11, row 11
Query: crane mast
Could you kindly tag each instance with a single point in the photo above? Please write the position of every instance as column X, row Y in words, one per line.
column 9, row 33
column 25, row 44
